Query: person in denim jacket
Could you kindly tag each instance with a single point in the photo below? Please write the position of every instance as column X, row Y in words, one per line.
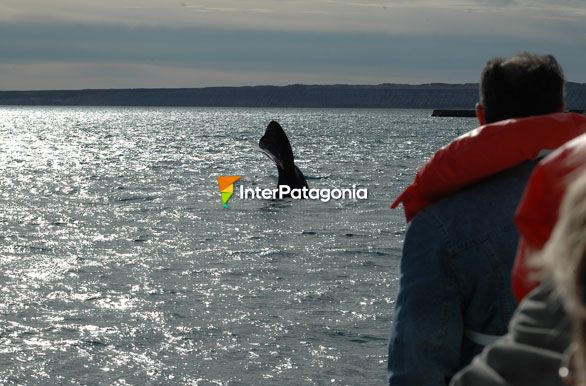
column 455, row 289
column 537, row 349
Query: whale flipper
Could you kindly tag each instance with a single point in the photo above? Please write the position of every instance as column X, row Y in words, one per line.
column 275, row 144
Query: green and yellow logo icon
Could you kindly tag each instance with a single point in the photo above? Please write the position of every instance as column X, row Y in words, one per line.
column 226, row 184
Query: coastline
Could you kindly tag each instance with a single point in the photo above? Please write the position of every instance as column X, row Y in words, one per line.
column 425, row 96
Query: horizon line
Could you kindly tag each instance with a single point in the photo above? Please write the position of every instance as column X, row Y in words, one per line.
column 266, row 85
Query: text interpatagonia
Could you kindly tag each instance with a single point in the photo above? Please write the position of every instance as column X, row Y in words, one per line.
column 305, row 193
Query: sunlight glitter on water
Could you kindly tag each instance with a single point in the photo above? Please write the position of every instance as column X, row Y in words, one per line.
column 119, row 266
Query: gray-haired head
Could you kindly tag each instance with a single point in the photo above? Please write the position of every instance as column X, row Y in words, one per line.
column 523, row 85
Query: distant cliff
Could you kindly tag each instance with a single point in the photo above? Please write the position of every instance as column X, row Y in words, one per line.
column 426, row 96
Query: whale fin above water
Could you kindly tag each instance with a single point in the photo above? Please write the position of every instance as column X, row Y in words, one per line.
column 275, row 144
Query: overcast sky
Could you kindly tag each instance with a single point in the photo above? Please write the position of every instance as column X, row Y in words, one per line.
column 74, row 44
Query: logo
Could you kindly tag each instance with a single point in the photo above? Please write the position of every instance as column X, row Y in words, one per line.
column 226, row 185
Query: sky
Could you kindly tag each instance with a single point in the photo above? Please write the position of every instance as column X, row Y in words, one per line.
column 79, row 44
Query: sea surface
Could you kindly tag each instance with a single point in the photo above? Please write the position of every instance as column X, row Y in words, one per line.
column 119, row 266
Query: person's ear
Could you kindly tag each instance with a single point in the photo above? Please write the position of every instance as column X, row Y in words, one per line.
column 480, row 114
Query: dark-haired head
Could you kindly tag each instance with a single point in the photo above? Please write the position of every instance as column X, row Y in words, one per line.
column 521, row 86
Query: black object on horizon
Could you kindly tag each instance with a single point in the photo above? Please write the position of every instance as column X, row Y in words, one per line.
column 454, row 113
column 472, row 113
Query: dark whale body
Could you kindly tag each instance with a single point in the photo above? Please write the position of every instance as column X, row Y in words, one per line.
column 275, row 144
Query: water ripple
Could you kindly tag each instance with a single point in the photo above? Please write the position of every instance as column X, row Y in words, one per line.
column 118, row 266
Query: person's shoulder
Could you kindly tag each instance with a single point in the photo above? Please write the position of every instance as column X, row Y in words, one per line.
column 502, row 189
column 486, row 204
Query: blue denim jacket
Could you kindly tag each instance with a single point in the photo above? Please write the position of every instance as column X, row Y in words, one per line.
column 455, row 276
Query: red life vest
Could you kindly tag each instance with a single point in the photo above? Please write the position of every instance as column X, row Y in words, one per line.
column 538, row 210
column 484, row 152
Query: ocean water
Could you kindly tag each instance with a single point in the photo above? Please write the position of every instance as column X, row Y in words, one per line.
column 118, row 265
